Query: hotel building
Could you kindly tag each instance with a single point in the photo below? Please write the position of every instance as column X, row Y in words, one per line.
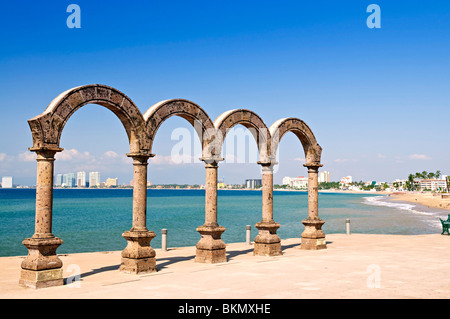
column 94, row 179
column 81, row 179
column 300, row 182
column 69, row 180
column 7, row 182
column 324, row 177
column 112, row 182
column 433, row 184
column 346, row 181
column 253, row 183
column 59, row 180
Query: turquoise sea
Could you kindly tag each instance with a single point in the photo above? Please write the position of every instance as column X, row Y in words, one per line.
column 94, row 219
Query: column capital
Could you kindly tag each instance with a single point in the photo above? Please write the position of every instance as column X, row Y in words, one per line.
column 267, row 167
column 142, row 155
column 212, row 161
column 45, row 153
column 313, row 166
column 140, row 158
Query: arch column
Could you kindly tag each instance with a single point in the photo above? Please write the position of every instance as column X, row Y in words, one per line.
column 42, row 267
column 267, row 242
column 313, row 237
column 139, row 257
column 211, row 248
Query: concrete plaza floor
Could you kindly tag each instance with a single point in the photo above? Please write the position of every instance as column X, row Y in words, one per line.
column 356, row 266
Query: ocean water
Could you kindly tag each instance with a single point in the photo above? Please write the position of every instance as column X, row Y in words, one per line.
column 94, row 219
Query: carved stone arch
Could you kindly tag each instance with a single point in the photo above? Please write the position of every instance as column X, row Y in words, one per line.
column 251, row 121
column 188, row 110
column 313, row 237
column 47, row 127
column 46, row 131
column 313, row 151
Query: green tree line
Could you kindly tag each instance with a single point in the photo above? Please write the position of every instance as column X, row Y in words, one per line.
column 411, row 185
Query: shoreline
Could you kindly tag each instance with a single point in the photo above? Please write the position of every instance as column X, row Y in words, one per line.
column 429, row 200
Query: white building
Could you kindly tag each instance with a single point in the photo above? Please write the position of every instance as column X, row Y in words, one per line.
column 7, row 182
column 59, row 180
column 286, row 180
column 253, row 183
column 345, row 181
column 69, row 180
column 94, row 179
column 399, row 184
column 300, row 182
column 433, row 184
column 324, row 177
column 81, row 179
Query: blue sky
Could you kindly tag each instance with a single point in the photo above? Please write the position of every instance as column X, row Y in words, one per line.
column 376, row 99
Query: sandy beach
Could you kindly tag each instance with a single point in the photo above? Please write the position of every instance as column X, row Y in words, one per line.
column 427, row 199
column 356, row 266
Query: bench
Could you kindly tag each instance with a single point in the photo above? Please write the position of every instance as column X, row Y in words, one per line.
column 445, row 225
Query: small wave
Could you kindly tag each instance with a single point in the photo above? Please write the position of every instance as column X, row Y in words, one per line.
column 384, row 201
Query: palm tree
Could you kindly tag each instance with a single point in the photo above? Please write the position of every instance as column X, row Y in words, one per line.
column 431, row 175
column 424, row 174
column 411, row 181
column 448, row 181
column 438, row 174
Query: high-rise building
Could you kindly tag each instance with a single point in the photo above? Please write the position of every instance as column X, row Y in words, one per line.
column 59, row 180
column 81, row 179
column 324, row 177
column 94, row 179
column 7, row 182
column 253, row 183
column 69, row 180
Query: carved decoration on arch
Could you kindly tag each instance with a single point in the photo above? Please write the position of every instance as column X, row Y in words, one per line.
column 47, row 127
column 311, row 148
column 251, row 121
column 193, row 113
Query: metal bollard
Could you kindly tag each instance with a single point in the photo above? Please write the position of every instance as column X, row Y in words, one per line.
column 347, row 222
column 164, row 239
column 248, row 228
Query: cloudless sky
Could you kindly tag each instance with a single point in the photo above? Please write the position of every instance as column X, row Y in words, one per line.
column 377, row 100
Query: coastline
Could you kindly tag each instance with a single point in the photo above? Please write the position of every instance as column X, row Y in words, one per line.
column 426, row 199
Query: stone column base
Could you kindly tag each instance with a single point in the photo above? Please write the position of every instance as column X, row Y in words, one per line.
column 313, row 243
column 138, row 257
column 210, row 249
column 267, row 242
column 267, row 249
column 42, row 267
column 37, row 279
column 42, row 253
column 138, row 266
column 313, row 238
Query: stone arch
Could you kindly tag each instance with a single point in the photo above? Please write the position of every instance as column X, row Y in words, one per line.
column 312, row 149
column 46, row 130
column 251, row 121
column 267, row 242
column 47, row 127
column 188, row 110
column 210, row 248
column 313, row 237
